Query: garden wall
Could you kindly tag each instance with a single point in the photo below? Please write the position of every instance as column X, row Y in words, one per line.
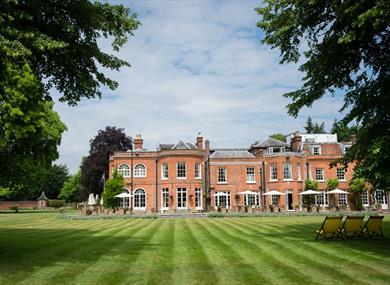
column 5, row 205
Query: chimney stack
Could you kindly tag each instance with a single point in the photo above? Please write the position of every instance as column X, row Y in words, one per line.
column 138, row 141
column 295, row 142
column 199, row 141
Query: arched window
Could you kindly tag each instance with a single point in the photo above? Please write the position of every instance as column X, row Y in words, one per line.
column 139, row 199
column 124, row 170
column 140, row 170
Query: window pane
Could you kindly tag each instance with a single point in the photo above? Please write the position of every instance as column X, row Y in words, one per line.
column 221, row 174
column 250, row 174
column 287, row 171
column 181, row 170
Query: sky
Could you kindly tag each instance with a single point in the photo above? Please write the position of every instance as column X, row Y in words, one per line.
column 196, row 66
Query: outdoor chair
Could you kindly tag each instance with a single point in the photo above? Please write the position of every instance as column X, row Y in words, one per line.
column 330, row 228
column 373, row 227
column 352, row 227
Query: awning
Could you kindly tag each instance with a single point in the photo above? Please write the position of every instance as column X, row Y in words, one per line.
column 248, row 192
column 273, row 192
column 309, row 192
column 123, row 195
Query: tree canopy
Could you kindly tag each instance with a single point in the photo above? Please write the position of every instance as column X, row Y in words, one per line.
column 113, row 186
column 279, row 137
column 314, row 128
column 48, row 44
column 346, row 45
column 71, row 189
column 95, row 165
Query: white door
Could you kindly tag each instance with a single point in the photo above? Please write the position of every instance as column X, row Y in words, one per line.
column 381, row 198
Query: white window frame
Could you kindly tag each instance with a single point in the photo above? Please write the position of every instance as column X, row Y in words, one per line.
column 250, row 177
column 254, row 197
column 338, row 174
column 198, row 199
column 139, row 199
column 164, row 171
column 317, row 174
column 139, row 172
column 217, row 199
column 124, row 172
column 289, row 171
column 198, row 170
column 313, row 152
column 299, row 174
column 273, row 169
column 177, row 170
column 324, row 197
column 364, row 195
column 180, row 198
column 275, row 200
column 165, row 199
column 219, row 175
column 343, row 199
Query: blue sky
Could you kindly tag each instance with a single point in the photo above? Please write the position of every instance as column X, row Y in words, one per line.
column 195, row 66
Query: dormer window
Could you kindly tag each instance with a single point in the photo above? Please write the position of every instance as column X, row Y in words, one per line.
column 346, row 149
column 272, row 150
column 316, row 150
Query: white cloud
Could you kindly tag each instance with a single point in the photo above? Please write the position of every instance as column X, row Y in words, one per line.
column 196, row 66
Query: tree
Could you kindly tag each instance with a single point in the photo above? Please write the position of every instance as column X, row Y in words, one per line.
column 332, row 184
column 44, row 45
column 347, row 55
column 54, row 180
column 95, row 165
column 357, row 186
column 310, row 185
column 113, row 187
column 309, row 126
column 279, row 137
column 343, row 131
column 71, row 190
column 319, row 128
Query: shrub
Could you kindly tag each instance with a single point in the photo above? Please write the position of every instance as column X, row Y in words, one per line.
column 88, row 212
column 56, row 203
column 14, row 208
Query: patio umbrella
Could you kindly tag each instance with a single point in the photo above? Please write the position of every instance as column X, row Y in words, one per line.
column 309, row 192
column 91, row 200
column 338, row 191
column 273, row 192
column 248, row 192
column 101, row 200
column 123, row 196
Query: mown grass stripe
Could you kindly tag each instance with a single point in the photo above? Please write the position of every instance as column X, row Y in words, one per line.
column 231, row 267
column 277, row 267
column 86, row 252
column 294, row 257
column 188, row 252
column 353, row 268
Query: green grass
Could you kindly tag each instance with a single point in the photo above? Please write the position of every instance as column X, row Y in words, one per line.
column 39, row 248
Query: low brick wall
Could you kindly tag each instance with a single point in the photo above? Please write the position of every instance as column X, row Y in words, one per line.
column 5, row 205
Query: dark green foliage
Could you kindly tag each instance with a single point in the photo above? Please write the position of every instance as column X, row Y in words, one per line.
column 113, row 186
column 43, row 45
column 56, row 203
column 309, row 185
column 279, row 137
column 347, row 55
column 343, row 131
column 332, row 184
column 95, row 165
column 314, row 128
column 54, row 180
column 358, row 186
column 71, row 189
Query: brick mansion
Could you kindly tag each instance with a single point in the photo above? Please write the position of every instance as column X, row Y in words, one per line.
column 196, row 177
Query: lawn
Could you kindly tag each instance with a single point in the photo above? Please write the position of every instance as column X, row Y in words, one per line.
column 39, row 248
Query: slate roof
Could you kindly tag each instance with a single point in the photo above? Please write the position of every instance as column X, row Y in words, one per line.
column 270, row 142
column 231, row 153
column 179, row 145
column 43, row 196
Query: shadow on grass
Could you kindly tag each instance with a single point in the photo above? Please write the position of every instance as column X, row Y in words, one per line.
column 306, row 233
column 23, row 251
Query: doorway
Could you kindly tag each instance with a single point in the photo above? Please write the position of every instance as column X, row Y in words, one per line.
column 381, row 198
column 290, row 205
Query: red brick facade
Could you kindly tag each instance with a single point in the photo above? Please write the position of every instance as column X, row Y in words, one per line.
column 193, row 177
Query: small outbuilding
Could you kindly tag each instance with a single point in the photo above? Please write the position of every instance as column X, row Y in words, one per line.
column 42, row 201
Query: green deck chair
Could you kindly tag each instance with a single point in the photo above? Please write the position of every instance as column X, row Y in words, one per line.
column 329, row 228
column 373, row 227
column 352, row 227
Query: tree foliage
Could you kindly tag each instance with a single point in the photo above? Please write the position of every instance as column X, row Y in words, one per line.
column 279, row 137
column 314, row 128
column 311, row 185
column 95, row 165
column 347, row 55
column 343, row 131
column 53, row 180
column 332, row 184
column 46, row 44
column 71, row 190
column 113, row 186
